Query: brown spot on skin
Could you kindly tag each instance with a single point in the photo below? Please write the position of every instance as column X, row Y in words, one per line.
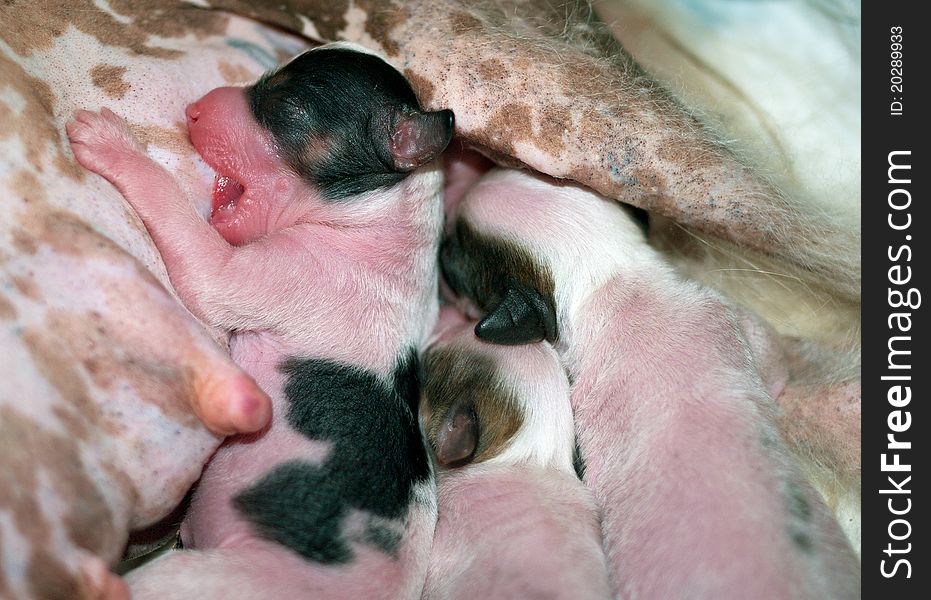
column 35, row 126
column 823, row 420
column 491, row 69
column 45, row 22
column 66, row 233
column 28, row 187
column 555, row 122
column 24, row 243
column 112, row 362
column 56, row 367
column 63, row 231
column 381, row 20
column 454, row 377
column 27, row 287
column 7, row 310
column 175, row 140
column 464, row 22
column 29, row 449
column 509, row 124
column 651, row 182
column 235, row 73
column 109, row 78
column 423, row 87
column 327, row 16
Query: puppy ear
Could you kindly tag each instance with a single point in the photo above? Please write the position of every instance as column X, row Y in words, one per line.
column 457, row 437
column 522, row 317
column 418, row 137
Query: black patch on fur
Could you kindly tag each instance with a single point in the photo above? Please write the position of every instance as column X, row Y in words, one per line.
column 382, row 537
column 378, row 456
column 332, row 113
column 578, row 461
column 484, row 269
column 641, row 216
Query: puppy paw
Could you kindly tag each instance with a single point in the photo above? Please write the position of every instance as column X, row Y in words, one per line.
column 100, row 141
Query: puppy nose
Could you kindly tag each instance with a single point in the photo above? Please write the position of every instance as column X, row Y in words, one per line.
column 192, row 112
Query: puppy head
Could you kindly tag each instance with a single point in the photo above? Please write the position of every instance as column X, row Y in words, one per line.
column 526, row 252
column 332, row 124
column 347, row 121
column 486, row 403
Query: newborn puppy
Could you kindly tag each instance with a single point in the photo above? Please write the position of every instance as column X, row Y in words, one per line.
column 320, row 258
column 699, row 495
column 514, row 520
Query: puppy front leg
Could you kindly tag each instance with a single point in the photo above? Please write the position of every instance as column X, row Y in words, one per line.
column 191, row 248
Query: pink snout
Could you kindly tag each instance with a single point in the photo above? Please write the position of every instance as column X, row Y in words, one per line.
column 222, row 108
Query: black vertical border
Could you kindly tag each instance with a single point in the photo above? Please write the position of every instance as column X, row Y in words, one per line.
column 883, row 133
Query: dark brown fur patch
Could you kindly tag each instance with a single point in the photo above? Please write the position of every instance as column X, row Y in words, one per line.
column 452, row 377
column 491, row 69
column 109, row 78
column 381, row 20
column 327, row 17
column 482, row 268
column 464, row 22
column 509, row 124
column 555, row 122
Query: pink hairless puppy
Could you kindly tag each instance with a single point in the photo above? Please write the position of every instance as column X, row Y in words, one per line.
column 514, row 520
column 699, row 495
column 320, row 258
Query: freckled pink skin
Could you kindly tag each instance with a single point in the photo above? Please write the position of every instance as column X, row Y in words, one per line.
column 676, row 425
column 289, row 279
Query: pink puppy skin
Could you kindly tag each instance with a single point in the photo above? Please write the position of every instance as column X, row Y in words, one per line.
column 320, row 258
column 700, row 497
column 515, row 521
